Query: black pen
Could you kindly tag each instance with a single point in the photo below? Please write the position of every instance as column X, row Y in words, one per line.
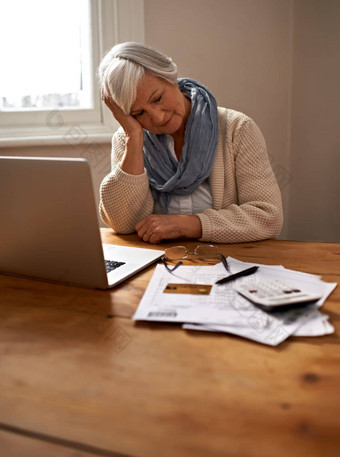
column 248, row 271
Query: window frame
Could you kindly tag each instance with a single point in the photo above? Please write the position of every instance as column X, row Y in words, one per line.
column 113, row 21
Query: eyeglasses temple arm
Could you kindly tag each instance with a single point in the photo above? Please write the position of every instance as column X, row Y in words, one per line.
column 225, row 263
column 171, row 270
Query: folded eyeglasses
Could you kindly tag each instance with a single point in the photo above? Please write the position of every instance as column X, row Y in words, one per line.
column 202, row 251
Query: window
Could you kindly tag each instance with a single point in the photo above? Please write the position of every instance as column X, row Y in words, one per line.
column 49, row 53
column 52, row 51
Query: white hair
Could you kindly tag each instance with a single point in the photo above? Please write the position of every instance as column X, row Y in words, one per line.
column 124, row 66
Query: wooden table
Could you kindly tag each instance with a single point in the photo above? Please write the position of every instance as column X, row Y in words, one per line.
column 80, row 378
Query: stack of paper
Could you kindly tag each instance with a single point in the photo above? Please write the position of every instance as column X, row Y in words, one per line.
column 219, row 308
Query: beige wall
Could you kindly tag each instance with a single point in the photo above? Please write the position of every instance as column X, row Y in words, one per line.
column 277, row 61
column 315, row 146
column 240, row 49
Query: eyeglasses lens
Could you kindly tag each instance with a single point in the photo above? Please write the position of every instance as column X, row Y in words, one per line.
column 206, row 251
column 176, row 253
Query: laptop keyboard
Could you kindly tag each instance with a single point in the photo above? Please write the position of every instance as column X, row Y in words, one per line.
column 112, row 265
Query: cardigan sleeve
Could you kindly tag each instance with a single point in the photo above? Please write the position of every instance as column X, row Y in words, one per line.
column 124, row 199
column 251, row 206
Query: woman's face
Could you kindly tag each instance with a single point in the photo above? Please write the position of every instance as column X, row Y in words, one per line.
column 160, row 107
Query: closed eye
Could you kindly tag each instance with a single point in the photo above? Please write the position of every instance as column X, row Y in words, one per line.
column 138, row 114
column 158, row 99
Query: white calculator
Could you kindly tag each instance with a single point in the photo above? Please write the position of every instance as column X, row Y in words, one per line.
column 274, row 294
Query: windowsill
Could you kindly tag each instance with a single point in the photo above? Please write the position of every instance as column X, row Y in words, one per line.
column 75, row 134
column 51, row 140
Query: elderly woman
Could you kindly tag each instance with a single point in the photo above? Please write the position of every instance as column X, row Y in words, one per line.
column 181, row 166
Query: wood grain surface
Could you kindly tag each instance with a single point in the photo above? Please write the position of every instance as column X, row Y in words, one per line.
column 78, row 377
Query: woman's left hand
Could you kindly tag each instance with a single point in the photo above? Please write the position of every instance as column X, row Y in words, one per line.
column 158, row 227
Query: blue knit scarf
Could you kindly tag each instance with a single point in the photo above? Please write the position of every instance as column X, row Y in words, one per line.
column 167, row 177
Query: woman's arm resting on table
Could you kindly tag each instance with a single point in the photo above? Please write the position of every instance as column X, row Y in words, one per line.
column 251, row 221
column 255, row 212
column 158, row 227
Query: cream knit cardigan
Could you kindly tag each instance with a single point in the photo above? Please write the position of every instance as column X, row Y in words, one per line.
column 246, row 198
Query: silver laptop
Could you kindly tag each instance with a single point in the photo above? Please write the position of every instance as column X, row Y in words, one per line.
column 49, row 226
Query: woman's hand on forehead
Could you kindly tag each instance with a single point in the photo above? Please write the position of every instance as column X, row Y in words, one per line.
column 130, row 125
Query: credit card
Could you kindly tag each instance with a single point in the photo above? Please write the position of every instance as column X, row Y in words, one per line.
column 194, row 289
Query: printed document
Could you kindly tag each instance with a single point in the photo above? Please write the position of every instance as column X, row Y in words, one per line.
column 172, row 297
